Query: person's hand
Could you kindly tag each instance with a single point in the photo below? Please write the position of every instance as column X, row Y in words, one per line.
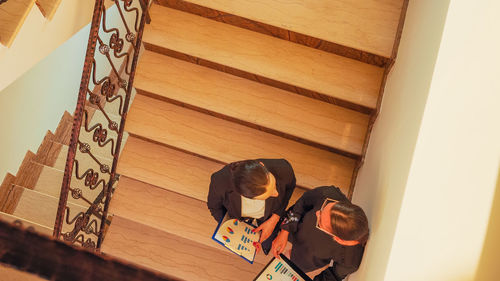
column 279, row 243
column 267, row 228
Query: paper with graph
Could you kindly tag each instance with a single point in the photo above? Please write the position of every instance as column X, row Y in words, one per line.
column 237, row 236
column 281, row 270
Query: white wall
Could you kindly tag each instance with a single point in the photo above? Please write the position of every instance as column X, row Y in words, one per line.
column 430, row 175
column 448, row 199
column 488, row 268
column 381, row 181
column 35, row 102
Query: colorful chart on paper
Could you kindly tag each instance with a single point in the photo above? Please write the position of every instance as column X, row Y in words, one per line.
column 238, row 237
column 279, row 270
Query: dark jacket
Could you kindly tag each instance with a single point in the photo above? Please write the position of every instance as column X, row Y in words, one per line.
column 223, row 197
column 312, row 248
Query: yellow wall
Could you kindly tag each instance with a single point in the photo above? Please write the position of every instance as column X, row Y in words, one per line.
column 432, row 168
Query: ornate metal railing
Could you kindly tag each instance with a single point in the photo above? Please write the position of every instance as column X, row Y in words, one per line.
column 99, row 119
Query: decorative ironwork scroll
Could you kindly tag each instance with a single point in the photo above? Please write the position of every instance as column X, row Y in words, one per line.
column 99, row 119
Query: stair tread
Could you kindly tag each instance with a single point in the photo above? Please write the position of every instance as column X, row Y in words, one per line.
column 26, row 224
column 48, row 7
column 365, row 25
column 177, row 256
column 50, row 181
column 227, row 142
column 12, row 16
column 159, row 208
column 168, row 168
column 5, row 189
column 171, row 169
column 263, row 55
column 252, row 102
column 45, row 213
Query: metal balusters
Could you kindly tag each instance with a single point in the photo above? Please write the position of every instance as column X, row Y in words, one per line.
column 99, row 121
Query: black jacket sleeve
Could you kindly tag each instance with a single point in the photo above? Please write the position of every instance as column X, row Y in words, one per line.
column 302, row 206
column 215, row 200
column 289, row 188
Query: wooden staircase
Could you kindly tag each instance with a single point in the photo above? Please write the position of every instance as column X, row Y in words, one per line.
column 221, row 81
column 14, row 12
column 213, row 88
column 31, row 197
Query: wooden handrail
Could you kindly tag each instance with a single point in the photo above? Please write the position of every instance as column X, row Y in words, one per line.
column 49, row 258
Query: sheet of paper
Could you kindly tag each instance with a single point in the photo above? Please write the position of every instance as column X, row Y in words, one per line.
column 238, row 237
column 278, row 270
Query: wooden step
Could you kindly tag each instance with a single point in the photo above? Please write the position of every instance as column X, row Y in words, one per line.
column 12, row 16
column 26, row 224
column 171, row 169
column 168, row 168
column 48, row 180
column 252, row 103
column 368, row 25
column 37, row 207
column 50, row 183
column 28, row 173
column 63, row 134
column 271, row 60
column 226, row 142
column 7, row 204
column 63, row 130
column 172, row 254
column 48, row 152
column 138, row 201
column 48, row 7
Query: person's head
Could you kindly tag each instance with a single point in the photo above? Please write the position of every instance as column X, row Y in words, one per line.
column 252, row 180
column 345, row 221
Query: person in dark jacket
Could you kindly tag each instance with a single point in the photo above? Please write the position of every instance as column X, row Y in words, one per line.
column 323, row 226
column 253, row 189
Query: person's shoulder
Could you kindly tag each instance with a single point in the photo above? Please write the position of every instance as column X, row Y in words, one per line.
column 279, row 163
column 280, row 168
column 332, row 192
column 222, row 174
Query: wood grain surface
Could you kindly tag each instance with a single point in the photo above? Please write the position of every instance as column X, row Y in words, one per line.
column 227, row 142
column 251, row 102
column 273, row 58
